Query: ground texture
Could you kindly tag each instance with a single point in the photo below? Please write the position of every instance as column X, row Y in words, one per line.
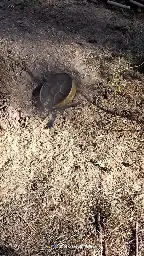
column 78, row 187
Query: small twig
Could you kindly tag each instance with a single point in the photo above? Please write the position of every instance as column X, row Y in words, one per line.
column 119, row 5
column 51, row 121
column 55, row 111
column 103, row 244
column 105, row 249
column 136, row 238
column 139, row 65
column 136, row 3
column 100, row 234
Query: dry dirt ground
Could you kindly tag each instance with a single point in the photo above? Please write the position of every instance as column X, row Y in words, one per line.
column 78, row 187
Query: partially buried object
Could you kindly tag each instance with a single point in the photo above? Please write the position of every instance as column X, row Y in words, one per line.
column 55, row 94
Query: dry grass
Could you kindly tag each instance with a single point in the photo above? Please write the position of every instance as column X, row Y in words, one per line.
column 84, row 176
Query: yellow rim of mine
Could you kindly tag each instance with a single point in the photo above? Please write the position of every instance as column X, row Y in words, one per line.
column 70, row 96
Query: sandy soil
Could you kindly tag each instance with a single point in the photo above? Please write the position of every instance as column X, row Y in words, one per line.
column 79, row 185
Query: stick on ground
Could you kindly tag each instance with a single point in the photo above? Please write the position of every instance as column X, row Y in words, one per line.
column 136, row 238
column 136, row 3
column 119, row 5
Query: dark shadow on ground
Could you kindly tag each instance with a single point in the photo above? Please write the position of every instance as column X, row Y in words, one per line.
column 83, row 23
column 7, row 251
